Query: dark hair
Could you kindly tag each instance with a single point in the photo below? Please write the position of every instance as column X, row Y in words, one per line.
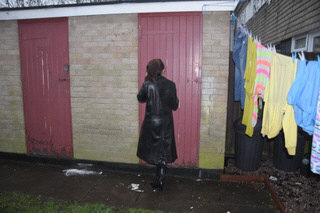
column 154, row 70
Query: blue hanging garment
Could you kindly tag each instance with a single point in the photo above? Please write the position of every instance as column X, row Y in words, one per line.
column 240, row 58
column 303, row 94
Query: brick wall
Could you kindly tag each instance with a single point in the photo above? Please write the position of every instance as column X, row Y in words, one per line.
column 104, row 64
column 283, row 19
column 104, row 85
column 12, row 133
column 215, row 64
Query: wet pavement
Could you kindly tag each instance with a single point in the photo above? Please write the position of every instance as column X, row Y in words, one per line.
column 114, row 188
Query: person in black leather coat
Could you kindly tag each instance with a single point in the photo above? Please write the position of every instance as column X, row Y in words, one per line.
column 156, row 142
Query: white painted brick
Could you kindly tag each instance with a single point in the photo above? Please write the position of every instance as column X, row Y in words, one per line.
column 105, row 87
column 12, row 133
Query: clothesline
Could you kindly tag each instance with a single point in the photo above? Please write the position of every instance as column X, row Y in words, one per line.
column 269, row 46
column 289, row 87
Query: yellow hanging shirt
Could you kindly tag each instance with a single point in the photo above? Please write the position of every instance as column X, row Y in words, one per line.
column 249, row 76
column 277, row 113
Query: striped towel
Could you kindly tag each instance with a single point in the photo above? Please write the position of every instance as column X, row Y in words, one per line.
column 262, row 78
column 315, row 153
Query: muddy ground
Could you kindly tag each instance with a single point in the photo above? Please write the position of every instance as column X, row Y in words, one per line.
column 297, row 192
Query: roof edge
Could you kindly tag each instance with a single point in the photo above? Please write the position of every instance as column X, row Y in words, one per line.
column 117, row 8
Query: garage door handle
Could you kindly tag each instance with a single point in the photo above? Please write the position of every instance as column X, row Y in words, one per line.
column 63, row 79
column 66, row 68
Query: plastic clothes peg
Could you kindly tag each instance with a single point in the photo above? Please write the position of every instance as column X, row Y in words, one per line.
column 294, row 56
column 301, row 56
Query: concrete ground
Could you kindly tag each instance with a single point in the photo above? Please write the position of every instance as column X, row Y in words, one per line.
column 114, row 188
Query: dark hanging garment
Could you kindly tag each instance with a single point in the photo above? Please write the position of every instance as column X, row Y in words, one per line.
column 240, row 58
column 156, row 141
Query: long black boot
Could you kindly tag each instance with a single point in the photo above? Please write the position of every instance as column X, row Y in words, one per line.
column 155, row 184
column 163, row 170
column 160, row 175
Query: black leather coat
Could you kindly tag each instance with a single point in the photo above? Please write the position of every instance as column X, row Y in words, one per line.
column 156, row 141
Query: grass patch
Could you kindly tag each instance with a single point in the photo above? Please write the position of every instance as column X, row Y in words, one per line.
column 11, row 202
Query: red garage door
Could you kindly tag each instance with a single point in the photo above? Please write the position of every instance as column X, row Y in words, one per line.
column 176, row 38
column 44, row 53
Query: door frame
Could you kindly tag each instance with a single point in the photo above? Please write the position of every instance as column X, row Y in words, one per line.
column 66, row 55
column 141, row 71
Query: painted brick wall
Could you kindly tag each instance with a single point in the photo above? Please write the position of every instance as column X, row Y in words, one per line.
column 104, row 64
column 104, row 85
column 12, row 132
column 215, row 64
column 104, row 76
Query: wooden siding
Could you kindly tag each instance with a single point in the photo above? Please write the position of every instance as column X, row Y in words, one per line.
column 283, row 19
column 233, row 111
